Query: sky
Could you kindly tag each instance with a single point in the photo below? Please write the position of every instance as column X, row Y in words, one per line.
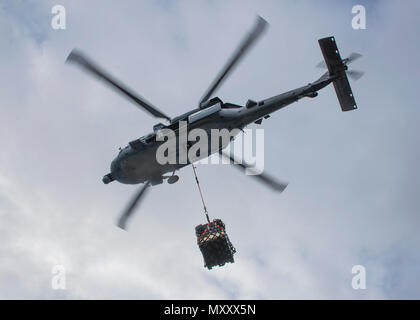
column 353, row 177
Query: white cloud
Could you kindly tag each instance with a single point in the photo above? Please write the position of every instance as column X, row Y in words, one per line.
column 352, row 197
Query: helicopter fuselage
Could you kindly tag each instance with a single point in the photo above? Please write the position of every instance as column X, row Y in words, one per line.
column 137, row 163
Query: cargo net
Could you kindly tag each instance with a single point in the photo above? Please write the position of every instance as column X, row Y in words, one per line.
column 214, row 244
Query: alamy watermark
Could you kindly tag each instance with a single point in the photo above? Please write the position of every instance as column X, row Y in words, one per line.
column 58, row 281
column 58, row 21
column 359, row 20
column 189, row 146
column 359, row 279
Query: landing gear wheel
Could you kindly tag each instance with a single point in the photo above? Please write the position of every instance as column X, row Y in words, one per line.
column 173, row 179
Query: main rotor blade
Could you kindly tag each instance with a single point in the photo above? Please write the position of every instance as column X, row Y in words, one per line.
column 122, row 221
column 245, row 45
column 355, row 74
column 79, row 58
column 264, row 178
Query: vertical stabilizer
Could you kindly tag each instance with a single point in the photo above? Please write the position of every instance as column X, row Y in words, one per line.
column 337, row 68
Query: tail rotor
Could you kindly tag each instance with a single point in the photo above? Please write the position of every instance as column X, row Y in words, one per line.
column 353, row 74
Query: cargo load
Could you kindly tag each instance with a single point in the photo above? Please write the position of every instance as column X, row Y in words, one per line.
column 214, row 244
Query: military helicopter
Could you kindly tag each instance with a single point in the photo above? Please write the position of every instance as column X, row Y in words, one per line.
column 136, row 163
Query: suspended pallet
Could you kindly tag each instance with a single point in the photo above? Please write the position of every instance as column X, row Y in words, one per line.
column 214, row 244
column 212, row 238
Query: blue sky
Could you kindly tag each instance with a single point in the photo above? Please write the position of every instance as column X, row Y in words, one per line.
column 353, row 176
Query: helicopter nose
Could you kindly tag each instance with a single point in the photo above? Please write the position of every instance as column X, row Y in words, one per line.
column 113, row 175
column 107, row 178
column 115, row 165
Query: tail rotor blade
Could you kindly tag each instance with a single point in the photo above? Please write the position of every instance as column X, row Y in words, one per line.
column 355, row 74
column 353, row 57
column 122, row 221
column 243, row 48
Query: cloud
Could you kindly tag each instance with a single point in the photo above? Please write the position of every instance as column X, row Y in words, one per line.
column 353, row 176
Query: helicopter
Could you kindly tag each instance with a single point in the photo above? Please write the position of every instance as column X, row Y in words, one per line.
column 136, row 163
